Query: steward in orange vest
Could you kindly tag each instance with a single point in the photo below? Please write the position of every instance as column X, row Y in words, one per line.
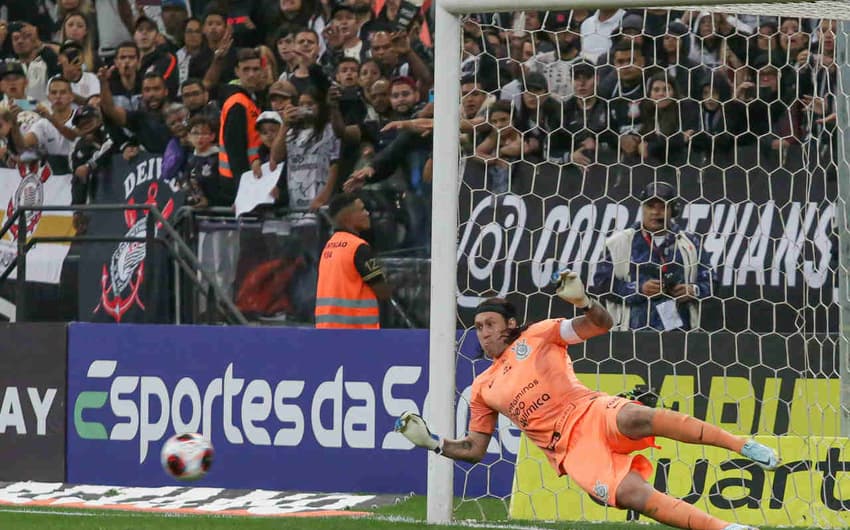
column 239, row 141
column 350, row 279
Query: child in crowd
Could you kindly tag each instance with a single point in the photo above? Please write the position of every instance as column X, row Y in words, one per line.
column 203, row 183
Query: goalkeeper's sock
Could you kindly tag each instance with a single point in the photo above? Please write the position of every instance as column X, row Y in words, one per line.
column 684, row 428
column 678, row 513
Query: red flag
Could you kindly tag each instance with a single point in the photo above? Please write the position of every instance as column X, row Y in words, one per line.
column 377, row 6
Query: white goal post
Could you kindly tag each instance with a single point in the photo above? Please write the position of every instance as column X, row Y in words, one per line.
column 445, row 203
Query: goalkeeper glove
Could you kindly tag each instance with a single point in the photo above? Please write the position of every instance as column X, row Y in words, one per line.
column 571, row 289
column 414, row 428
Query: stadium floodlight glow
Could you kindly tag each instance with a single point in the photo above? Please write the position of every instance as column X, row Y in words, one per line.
column 447, row 182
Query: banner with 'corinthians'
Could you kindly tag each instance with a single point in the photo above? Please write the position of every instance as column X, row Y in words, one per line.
column 38, row 183
column 127, row 281
column 769, row 237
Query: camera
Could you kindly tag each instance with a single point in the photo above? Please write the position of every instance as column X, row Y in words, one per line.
column 669, row 281
column 304, row 112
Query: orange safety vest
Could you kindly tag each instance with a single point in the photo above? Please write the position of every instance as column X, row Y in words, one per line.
column 252, row 111
column 343, row 299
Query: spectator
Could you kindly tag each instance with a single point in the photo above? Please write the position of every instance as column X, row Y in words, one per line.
column 269, row 124
column 38, row 61
column 216, row 62
column 404, row 98
column 632, row 31
column 175, row 13
column 351, row 280
column 368, row 73
column 124, row 79
column 397, row 59
column 284, row 45
column 668, row 123
column 179, row 147
column 624, row 88
column 52, row 134
column 719, row 40
column 311, row 151
column 654, row 280
column 75, row 28
column 556, row 65
column 585, row 121
column 203, row 182
column 720, row 120
column 83, row 84
column 7, row 119
column 820, row 106
column 500, row 148
column 791, row 40
column 114, row 25
column 343, row 38
column 197, row 99
column 63, row 8
column 155, row 57
column 302, row 14
column 771, row 122
column 536, row 114
column 596, row 31
column 238, row 138
column 13, row 86
column 674, row 57
column 89, row 159
column 307, row 72
column 147, row 123
column 193, row 45
column 765, row 41
column 473, row 119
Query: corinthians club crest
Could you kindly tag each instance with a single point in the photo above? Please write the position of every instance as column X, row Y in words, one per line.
column 30, row 192
column 121, row 279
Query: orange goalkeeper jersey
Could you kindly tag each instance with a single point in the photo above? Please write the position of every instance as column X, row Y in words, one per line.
column 533, row 384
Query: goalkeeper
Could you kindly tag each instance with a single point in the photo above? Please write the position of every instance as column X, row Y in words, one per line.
column 585, row 434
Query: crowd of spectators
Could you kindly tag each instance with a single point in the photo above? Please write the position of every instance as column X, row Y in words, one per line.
column 332, row 94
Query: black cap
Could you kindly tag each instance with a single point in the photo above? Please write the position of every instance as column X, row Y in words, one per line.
column 632, row 21
column 536, row 81
column 341, row 7
column 659, row 190
column 340, row 202
column 83, row 113
column 131, row 141
column 16, row 26
column 11, row 68
column 583, row 68
column 145, row 20
column 71, row 49
column 677, row 28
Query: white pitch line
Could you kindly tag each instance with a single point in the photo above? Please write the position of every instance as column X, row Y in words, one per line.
column 470, row 524
column 49, row 512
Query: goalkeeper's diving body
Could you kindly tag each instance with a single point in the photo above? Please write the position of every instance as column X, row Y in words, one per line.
column 585, row 434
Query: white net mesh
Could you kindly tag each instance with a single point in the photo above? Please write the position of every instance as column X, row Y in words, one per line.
column 567, row 117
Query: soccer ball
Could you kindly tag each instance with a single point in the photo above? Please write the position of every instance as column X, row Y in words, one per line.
column 187, row 456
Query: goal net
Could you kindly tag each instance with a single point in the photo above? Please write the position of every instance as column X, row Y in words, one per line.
column 569, row 119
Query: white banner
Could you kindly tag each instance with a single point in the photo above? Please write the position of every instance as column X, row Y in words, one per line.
column 34, row 184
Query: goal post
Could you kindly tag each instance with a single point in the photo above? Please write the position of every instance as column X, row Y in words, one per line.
column 447, row 180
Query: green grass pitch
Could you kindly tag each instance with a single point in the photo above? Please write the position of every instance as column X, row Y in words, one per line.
column 405, row 515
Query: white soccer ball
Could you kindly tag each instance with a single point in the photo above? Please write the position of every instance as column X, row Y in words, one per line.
column 187, row 456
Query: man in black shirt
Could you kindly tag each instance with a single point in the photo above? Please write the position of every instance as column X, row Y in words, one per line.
column 148, row 123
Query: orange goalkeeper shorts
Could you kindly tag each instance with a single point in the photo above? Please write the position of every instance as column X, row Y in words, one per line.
column 598, row 456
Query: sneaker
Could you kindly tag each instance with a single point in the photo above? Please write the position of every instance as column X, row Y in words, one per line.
column 736, row 526
column 762, row 455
